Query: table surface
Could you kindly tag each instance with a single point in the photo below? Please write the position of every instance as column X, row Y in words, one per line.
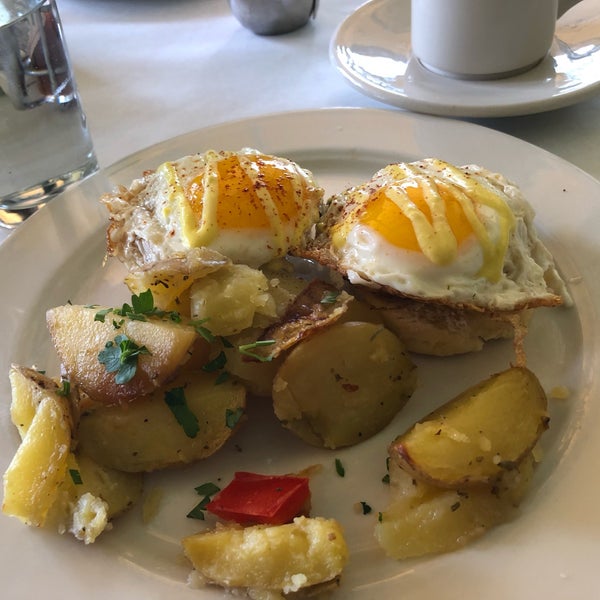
column 150, row 70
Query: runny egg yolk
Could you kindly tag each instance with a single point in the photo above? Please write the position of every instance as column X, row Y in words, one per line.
column 383, row 215
column 249, row 195
column 241, row 193
column 431, row 208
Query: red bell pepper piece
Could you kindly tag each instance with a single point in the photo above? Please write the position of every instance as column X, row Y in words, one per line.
column 252, row 499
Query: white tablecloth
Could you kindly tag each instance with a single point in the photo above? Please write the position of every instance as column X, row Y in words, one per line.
column 150, row 70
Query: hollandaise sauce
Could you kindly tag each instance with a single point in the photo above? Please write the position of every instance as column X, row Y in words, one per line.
column 243, row 192
column 432, row 207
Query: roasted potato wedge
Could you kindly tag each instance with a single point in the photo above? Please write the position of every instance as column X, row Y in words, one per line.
column 284, row 558
column 479, row 435
column 33, row 478
column 28, row 388
column 47, row 484
column 145, row 435
column 426, row 519
column 343, row 384
column 79, row 338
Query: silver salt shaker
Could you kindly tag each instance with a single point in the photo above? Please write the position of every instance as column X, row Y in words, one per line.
column 273, row 17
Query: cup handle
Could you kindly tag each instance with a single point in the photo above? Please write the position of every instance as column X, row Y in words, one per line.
column 565, row 5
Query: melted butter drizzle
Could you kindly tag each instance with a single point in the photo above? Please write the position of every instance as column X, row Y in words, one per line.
column 436, row 238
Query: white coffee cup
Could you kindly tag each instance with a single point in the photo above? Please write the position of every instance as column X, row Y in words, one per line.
column 483, row 39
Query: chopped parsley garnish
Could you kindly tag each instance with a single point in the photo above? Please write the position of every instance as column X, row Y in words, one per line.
column 203, row 331
column 366, row 509
column 101, row 314
column 65, row 388
column 121, row 357
column 222, row 377
column 207, row 490
column 198, row 511
column 329, row 297
column 247, row 349
column 339, row 468
column 144, row 303
column 226, row 343
column 216, row 363
column 232, row 417
column 175, row 399
column 76, row 476
column 386, row 477
column 141, row 307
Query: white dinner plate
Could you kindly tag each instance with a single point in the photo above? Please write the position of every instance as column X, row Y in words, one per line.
column 371, row 48
column 550, row 552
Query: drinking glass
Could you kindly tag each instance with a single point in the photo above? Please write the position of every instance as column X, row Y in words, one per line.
column 45, row 144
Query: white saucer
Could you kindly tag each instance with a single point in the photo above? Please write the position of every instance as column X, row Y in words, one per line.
column 372, row 50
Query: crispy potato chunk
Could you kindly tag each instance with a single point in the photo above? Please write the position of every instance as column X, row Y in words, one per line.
column 119, row 490
column 284, row 558
column 170, row 279
column 90, row 496
column 231, row 299
column 79, row 338
column 145, row 435
column 318, row 305
column 478, row 435
column 343, row 384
